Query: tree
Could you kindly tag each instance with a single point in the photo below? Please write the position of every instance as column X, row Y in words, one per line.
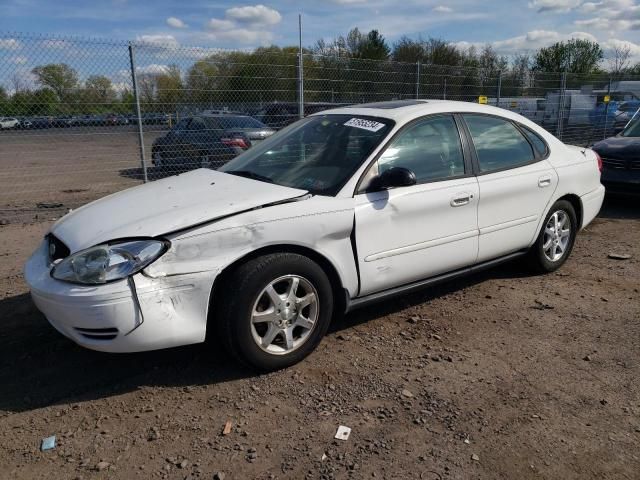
column 573, row 56
column 59, row 77
column 99, row 92
column 441, row 52
column 619, row 60
column 170, row 87
column 373, row 46
column 518, row 77
column 635, row 70
column 203, row 79
column 490, row 64
column 408, row 50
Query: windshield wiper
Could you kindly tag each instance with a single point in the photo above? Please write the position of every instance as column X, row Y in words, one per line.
column 250, row 174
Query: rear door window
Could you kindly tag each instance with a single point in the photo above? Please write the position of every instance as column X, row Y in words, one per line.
column 499, row 144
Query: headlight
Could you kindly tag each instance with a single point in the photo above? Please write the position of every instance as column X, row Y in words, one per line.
column 109, row 262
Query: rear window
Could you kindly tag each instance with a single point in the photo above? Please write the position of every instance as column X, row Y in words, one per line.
column 239, row 122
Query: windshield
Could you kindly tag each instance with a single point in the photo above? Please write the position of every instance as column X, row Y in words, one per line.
column 240, row 122
column 318, row 153
column 633, row 129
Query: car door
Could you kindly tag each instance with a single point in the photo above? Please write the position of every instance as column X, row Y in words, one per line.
column 516, row 183
column 410, row 233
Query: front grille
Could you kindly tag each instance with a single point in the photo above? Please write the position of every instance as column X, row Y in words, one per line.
column 97, row 333
column 57, row 250
column 635, row 164
column 614, row 163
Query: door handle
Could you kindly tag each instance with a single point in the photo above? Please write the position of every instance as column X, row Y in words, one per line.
column 544, row 182
column 461, row 199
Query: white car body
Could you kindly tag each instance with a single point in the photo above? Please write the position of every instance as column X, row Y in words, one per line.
column 372, row 244
column 7, row 123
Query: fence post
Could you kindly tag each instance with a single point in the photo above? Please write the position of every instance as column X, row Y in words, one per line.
column 300, row 73
column 499, row 88
column 561, row 103
column 134, row 79
column 418, row 79
column 606, row 110
column 444, row 92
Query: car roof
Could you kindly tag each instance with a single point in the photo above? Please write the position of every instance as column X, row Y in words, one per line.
column 405, row 110
column 221, row 115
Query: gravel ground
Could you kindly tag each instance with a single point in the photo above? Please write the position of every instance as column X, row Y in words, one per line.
column 500, row 375
column 43, row 173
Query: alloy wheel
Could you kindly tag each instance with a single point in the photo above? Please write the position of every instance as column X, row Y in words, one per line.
column 557, row 235
column 284, row 314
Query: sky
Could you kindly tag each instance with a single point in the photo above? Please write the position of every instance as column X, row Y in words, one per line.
column 510, row 26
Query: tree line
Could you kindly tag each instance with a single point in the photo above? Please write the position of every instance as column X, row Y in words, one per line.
column 360, row 66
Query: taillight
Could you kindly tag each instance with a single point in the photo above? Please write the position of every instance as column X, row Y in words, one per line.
column 235, row 142
column 599, row 161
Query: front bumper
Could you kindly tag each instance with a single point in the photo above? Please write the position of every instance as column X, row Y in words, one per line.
column 621, row 181
column 132, row 315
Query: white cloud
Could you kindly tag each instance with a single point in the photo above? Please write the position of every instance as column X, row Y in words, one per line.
column 442, row 9
column 531, row 41
column 152, row 69
column 18, row 60
column 610, row 16
column 254, row 15
column 9, row 44
column 348, row 2
column 176, row 22
column 220, row 25
column 244, row 25
column 242, row 36
column 55, row 44
column 609, row 25
column 554, row 5
column 634, row 48
column 162, row 41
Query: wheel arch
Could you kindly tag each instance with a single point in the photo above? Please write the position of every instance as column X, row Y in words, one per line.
column 339, row 292
column 576, row 203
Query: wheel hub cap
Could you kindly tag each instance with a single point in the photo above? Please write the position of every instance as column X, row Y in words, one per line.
column 284, row 314
column 557, row 235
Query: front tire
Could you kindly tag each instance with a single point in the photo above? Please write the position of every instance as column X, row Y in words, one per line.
column 274, row 310
column 556, row 238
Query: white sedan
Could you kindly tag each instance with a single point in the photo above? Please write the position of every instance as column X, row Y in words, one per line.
column 343, row 208
column 8, row 123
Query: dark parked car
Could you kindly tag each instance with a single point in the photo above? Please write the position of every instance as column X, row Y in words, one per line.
column 41, row 122
column 280, row 114
column 207, row 141
column 621, row 160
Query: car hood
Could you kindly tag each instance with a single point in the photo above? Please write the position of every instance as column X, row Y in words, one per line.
column 167, row 205
column 618, row 147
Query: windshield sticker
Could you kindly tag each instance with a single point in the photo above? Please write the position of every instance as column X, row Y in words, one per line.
column 364, row 124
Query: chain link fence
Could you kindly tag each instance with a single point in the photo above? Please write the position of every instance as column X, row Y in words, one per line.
column 83, row 118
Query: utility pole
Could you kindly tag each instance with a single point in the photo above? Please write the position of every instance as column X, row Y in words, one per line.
column 134, row 79
column 300, row 72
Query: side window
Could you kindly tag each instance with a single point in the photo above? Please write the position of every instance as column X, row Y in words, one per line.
column 197, row 124
column 499, row 144
column 539, row 145
column 430, row 148
column 181, row 125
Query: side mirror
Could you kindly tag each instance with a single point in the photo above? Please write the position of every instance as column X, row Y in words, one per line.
column 392, row 178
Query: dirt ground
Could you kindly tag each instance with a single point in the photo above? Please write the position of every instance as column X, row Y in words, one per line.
column 502, row 375
column 45, row 172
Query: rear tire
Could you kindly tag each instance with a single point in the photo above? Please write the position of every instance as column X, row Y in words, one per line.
column 556, row 238
column 274, row 310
